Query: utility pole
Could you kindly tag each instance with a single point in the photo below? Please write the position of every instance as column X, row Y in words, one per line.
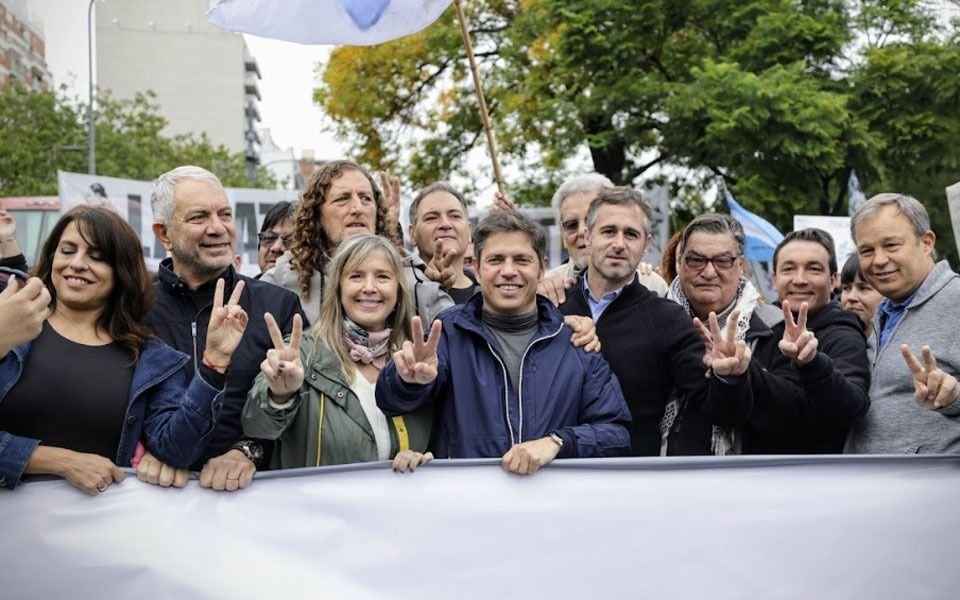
column 91, row 135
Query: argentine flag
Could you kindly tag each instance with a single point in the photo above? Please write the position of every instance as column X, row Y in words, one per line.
column 762, row 237
column 338, row 22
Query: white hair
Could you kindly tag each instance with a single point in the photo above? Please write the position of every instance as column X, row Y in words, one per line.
column 161, row 196
column 590, row 182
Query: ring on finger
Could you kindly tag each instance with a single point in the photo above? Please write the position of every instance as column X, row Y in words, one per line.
column 102, row 486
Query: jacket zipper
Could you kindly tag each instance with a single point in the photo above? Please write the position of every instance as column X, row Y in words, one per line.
column 506, row 384
column 193, row 333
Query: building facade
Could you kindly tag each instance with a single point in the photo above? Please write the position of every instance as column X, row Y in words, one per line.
column 22, row 49
column 204, row 78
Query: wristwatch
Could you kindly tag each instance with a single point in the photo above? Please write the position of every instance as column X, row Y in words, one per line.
column 555, row 437
column 252, row 450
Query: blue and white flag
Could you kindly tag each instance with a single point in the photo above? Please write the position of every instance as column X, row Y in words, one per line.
column 855, row 193
column 762, row 237
column 347, row 22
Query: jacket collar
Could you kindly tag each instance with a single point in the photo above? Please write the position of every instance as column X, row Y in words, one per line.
column 470, row 317
column 172, row 283
column 939, row 276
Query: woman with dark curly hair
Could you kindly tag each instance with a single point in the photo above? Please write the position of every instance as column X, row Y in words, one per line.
column 76, row 399
column 340, row 200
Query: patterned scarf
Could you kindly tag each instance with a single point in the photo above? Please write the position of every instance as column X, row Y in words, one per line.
column 367, row 347
column 723, row 441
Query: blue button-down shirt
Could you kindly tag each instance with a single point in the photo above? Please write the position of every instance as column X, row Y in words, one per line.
column 890, row 314
column 598, row 306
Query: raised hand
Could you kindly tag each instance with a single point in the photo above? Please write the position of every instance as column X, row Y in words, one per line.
column 283, row 368
column 391, row 196
column 22, row 312
column 798, row 343
column 416, row 361
column 501, row 201
column 725, row 355
column 440, row 268
column 225, row 329
column 932, row 387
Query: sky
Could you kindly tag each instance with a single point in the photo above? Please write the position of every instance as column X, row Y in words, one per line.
column 286, row 107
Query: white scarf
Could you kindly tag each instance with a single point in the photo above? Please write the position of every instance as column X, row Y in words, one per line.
column 723, row 441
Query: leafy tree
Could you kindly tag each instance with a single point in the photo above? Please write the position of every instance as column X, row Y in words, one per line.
column 779, row 99
column 46, row 131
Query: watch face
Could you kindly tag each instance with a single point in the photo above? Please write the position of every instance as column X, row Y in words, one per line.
column 252, row 450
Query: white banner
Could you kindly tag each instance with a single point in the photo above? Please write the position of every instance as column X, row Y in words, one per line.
column 738, row 527
column 131, row 199
column 953, row 205
column 837, row 227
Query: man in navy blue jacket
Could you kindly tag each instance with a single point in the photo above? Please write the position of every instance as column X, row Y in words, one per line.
column 500, row 368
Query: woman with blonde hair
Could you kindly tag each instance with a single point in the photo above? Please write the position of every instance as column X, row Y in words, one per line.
column 315, row 394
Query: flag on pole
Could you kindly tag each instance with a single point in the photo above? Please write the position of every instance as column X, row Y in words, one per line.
column 348, row 22
column 855, row 193
column 762, row 237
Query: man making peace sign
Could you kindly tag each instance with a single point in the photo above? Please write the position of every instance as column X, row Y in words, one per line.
column 500, row 368
column 913, row 404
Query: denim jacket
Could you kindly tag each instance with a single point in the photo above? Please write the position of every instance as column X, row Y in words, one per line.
column 174, row 414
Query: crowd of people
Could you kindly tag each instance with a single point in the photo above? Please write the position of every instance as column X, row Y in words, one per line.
column 348, row 348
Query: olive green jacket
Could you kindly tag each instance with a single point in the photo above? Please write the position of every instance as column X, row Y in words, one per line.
column 326, row 409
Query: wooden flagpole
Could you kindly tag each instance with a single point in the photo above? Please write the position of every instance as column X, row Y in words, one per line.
column 484, row 115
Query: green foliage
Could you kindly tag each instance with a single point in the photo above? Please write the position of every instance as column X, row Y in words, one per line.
column 46, row 131
column 779, row 99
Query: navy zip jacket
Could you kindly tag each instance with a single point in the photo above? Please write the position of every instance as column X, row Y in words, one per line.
column 180, row 316
column 562, row 389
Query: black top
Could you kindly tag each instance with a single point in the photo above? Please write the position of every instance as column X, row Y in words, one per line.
column 70, row 395
column 653, row 348
column 461, row 295
column 18, row 262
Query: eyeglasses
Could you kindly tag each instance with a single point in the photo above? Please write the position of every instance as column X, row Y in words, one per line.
column 722, row 262
column 268, row 239
column 570, row 226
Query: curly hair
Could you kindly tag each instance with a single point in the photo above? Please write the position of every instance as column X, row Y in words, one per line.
column 132, row 294
column 312, row 249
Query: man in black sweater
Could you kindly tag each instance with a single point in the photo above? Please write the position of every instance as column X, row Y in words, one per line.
column 650, row 342
column 194, row 220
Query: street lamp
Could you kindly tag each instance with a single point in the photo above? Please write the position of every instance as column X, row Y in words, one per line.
column 91, row 136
